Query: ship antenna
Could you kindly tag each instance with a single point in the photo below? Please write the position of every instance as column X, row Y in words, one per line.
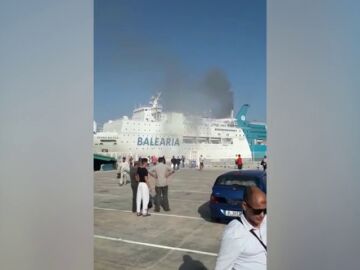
column 155, row 99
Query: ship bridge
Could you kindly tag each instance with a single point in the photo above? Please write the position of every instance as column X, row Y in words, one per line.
column 150, row 113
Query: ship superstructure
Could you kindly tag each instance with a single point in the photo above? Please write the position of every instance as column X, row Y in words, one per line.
column 150, row 131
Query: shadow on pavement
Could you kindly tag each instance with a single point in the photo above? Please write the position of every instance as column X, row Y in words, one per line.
column 204, row 211
column 190, row 264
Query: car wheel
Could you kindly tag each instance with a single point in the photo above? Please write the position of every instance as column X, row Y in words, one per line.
column 215, row 219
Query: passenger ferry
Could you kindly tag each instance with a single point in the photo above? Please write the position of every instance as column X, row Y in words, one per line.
column 150, row 131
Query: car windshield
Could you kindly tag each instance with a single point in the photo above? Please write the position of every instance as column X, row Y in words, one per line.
column 229, row 180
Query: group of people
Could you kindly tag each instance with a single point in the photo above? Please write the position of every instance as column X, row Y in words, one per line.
column 243, row 244
column 138, row 174
column 175, row 162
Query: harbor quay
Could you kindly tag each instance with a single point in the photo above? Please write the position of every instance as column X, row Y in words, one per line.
column 182, row 238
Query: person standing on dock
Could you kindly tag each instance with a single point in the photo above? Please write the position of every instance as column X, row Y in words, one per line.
column 161, row 172
column 143, row 194
column 178, row 161
column 134, row 184
column 124, row 172
column 173, row 162
column 239, row 162
column 183, row 161
column 201, row 162
column 264, row 163
column 118, row 169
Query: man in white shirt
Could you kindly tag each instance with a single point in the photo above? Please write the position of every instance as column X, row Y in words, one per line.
column 201, row 162
column 124, row 169
column 161, row 172
column 244, row 242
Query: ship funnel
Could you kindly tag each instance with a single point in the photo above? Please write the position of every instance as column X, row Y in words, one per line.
column 241, row 115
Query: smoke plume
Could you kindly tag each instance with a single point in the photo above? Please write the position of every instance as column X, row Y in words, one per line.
column 208, row 96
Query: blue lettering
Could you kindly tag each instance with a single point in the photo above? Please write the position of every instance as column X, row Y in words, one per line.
column 139, row 142
column 158, row 141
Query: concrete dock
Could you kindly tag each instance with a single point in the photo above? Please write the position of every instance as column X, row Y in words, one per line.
column 182, row 239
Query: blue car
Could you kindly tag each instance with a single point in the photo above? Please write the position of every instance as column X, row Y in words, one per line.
column 228, row 192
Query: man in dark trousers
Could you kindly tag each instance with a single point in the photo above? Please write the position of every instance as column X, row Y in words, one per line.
column 173, row 162
column 134, row 183
column 178, row 160
column 264, row 163
column 161, row 172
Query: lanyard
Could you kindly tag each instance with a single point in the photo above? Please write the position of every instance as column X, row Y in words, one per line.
column 253, row 233
column 257, row 237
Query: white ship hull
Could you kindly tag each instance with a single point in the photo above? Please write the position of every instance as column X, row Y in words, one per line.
column 151, row 132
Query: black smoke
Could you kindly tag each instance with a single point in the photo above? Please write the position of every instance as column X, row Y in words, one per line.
column 208, row 96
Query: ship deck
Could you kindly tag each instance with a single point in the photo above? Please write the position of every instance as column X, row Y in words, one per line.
column 183, row 238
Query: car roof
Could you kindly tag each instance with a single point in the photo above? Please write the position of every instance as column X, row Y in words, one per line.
column 254, row 173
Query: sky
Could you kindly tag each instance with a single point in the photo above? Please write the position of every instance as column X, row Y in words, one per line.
column 205, row 56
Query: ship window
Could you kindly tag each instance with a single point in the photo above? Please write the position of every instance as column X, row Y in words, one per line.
column 189, row 140
column 108, row 140
column 227, row 141
column 203, row 140
column 215, row 140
